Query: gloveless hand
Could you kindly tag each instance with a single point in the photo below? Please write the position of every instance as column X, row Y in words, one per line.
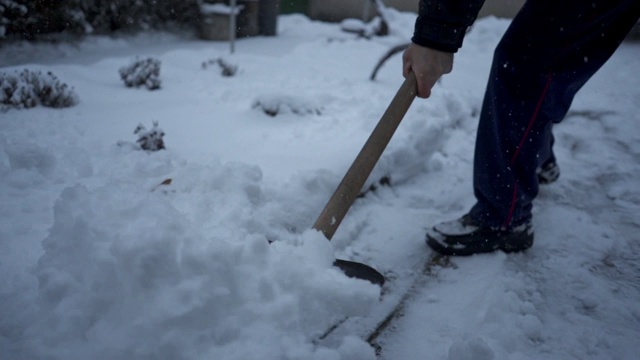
column 427, row 64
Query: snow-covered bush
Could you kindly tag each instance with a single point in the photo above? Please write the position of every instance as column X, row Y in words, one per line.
column 28, row 89
column 9, row 10
column 273, row 105
column 28, row 19
column 142, row 73
column 150, row 140
column 125, row 15
column 226, row 68
column 31, row 20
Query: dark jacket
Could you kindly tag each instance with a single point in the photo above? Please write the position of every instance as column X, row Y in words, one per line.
column 441, row 24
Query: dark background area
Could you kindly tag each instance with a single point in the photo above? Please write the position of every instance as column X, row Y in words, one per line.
column 48, row 20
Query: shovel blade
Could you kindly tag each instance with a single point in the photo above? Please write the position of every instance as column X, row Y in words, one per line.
column 360, row 271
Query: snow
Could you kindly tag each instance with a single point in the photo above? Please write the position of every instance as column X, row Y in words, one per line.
column 110, row 252
column 220, row 9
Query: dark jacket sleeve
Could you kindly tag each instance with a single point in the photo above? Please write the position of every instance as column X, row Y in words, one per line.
column 442, row 24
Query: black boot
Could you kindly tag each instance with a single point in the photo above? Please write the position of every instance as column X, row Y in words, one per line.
column 465, row 236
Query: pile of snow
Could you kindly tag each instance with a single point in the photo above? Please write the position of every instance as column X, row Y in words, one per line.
column 137, row 281
column 182, row 270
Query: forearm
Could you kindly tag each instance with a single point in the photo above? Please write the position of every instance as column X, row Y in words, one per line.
column 441, row 24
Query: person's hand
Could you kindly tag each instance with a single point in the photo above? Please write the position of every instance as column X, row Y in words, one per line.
column 427, row 64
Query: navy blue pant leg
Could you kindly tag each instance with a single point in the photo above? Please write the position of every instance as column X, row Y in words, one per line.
column 548, row 53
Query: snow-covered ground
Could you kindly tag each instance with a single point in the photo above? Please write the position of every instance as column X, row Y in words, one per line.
column 100, row 260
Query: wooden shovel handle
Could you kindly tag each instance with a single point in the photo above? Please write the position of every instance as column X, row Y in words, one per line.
column 357, row 175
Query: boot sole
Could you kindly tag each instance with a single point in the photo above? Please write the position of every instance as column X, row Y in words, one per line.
column 480, row 245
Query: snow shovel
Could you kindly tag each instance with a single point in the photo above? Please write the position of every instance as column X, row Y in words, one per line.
column 353, row 181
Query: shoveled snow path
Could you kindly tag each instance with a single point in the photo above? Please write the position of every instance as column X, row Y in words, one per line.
column 581, row 279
